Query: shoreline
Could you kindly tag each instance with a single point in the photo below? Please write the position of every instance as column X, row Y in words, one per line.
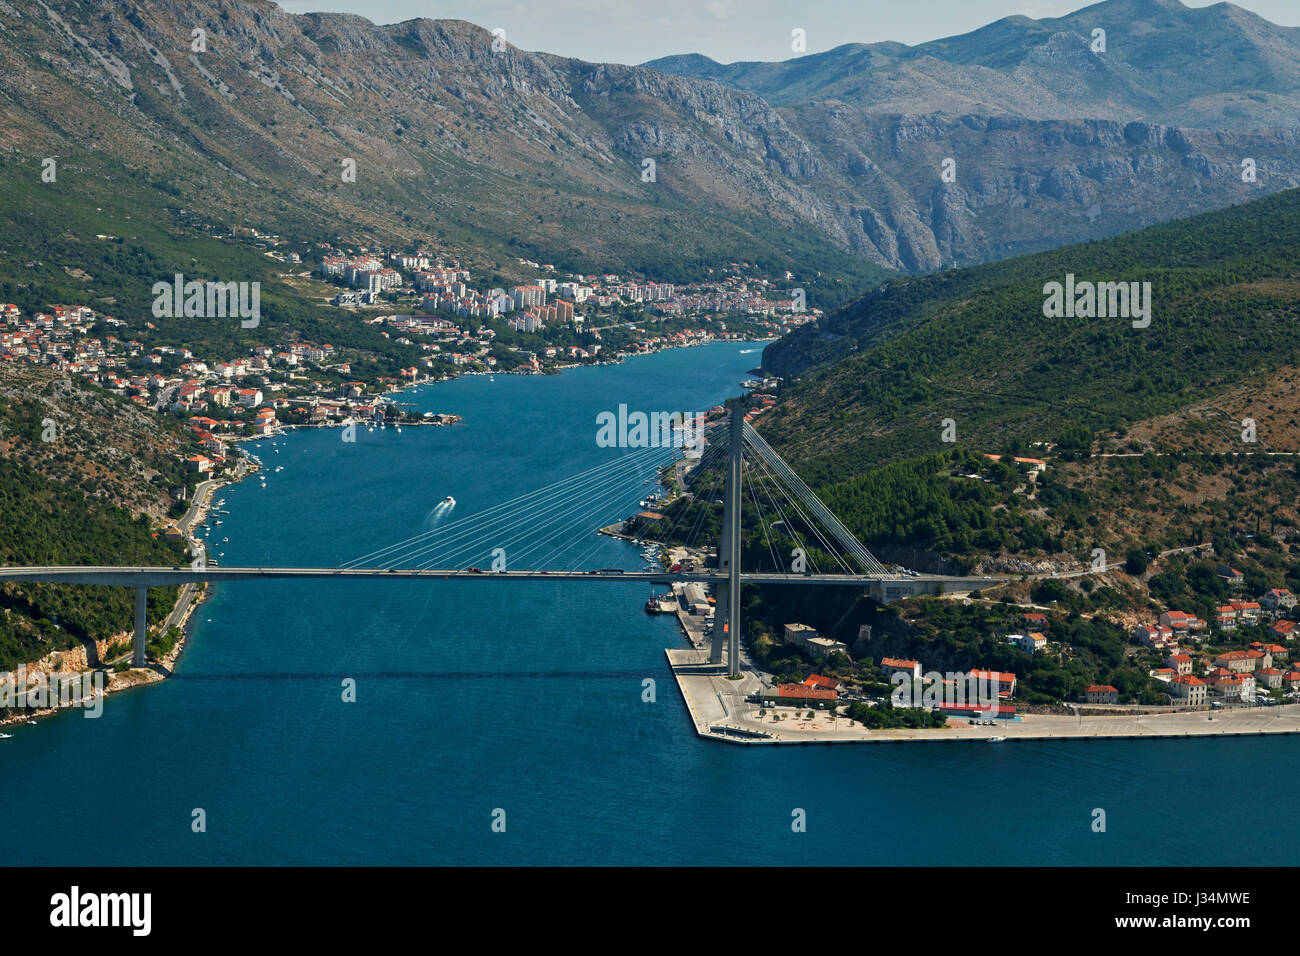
column 718, row 710
column 165, row 667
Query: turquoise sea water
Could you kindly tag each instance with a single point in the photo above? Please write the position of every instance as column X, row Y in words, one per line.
column 473, row 696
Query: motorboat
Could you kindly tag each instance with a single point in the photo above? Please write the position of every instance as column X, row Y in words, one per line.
column 449, row 501
column 996, row 740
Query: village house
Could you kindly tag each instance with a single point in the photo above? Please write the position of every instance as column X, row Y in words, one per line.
column 1277, row 599
column 1029, row 643
column 1189, row 689
column 820, row 648
column 1101, row 694
column 1180, row 663
column 1269, row 677
column 1247, row 611
column 1157, row 637
column 1233, row 687
column 1231, row 576
column 1180, row 621
column 1243, row 662
column 825, row 683
column 798, row 634
column 892, row 665
column 1006, row 683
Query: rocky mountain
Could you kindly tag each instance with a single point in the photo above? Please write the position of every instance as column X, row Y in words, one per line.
column 244, row 114
column 1153, row 61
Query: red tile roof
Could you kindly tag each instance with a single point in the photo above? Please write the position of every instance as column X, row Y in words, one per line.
column 801, row 692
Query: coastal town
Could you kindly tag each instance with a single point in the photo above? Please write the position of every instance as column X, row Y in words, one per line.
column 1252, row 690
column 1201, row 676
column 548, row 325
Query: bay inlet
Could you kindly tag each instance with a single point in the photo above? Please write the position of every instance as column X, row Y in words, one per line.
column 528, row 698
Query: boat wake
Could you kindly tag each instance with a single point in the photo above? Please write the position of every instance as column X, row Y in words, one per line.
column 440, row 511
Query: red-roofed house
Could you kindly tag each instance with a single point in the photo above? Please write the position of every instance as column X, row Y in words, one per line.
column 1242, row 662
column 825, row 683
column 1234, row 686
column 1006, row 682
column 1179, row 621
column 1155, row 636
column 1278, row 599
column 1231, row 576
column 896, row 664
column 1247, row 611
column 1191, row 690
column 1101, row 694
column 1181, row 663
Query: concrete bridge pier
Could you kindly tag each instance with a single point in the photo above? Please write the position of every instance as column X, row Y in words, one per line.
column 141, row 626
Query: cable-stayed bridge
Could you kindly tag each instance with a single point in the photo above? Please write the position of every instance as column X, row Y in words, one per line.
column 546, row 535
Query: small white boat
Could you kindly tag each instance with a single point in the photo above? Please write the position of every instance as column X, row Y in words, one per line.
column 996, row 740
column 32, row 722
column 6, row 736
column 449, row 501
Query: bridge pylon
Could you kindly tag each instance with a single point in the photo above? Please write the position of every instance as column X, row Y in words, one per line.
column 728, row 606
column 138, row 656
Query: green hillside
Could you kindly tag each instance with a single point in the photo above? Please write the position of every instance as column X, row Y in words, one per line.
column 877, row 379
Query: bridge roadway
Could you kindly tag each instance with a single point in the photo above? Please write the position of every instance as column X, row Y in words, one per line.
column 883, row 588
column 148, row 577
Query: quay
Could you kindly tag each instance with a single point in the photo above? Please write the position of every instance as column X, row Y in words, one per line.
column 719, row 710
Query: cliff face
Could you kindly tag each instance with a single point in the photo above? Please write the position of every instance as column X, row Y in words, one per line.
column 466, row 142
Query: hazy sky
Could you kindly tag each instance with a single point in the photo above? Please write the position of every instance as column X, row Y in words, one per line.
column 633, row 31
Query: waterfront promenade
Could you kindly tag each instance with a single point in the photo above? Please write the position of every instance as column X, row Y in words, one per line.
column 719, row 711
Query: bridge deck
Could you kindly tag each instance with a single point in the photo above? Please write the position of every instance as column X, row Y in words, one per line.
column 158, row 577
